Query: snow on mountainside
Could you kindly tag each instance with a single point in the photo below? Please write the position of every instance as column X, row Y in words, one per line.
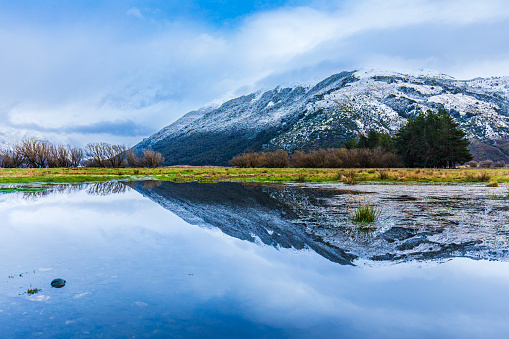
column 333, row 111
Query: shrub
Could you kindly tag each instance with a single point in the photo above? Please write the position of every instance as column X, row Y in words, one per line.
column 246, row 160
column 472, row 164
column 486, row 164
column 278, row 159
column 499, row 164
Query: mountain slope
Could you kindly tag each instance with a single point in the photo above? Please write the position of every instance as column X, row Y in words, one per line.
column 333, row 111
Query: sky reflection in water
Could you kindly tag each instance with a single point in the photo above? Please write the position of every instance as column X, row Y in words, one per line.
column 133, row 268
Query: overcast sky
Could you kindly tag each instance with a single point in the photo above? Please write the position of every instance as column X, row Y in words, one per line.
column 118, row 71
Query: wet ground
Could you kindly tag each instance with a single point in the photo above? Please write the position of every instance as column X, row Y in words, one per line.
column 233, row 260
column 417, row 222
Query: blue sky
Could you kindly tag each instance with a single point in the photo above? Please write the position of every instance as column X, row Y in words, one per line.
column 117, row 71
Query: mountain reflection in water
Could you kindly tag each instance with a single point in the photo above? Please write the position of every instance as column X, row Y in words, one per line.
column 418, row 222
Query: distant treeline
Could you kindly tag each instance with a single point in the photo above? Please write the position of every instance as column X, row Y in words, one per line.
column 324, row 158
column 41, row 154
column 432, row 139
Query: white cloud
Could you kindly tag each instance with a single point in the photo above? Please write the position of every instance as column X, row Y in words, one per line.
column 151, row 72
column 135, row 12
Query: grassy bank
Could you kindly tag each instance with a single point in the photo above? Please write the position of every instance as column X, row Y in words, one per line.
column 218, row 174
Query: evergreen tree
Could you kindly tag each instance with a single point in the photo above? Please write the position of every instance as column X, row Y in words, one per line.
column 432, row 140
column 373, row 140
column 362, row 142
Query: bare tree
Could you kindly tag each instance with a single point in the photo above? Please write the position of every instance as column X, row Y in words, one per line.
column 153, row 159
column 35, row 152
column 10, row 158
column 116, row 155
column 133, row 160
column 76, row 156
column 105, row 155
column 97, row 154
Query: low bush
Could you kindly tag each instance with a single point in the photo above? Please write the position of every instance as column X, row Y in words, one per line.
column 486, row 164
column 323, row 158
column 278, row 159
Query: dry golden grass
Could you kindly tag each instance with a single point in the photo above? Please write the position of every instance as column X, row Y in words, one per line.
column 214, row 174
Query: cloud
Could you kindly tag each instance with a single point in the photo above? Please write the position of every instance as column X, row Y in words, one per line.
column 135, row 12
column 109, row 67
column 115, row 128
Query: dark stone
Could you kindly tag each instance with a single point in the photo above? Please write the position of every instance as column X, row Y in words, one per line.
column 412, row 243
column 58, row 283
column 383, row 257
column 403, row 197
column 398, row 233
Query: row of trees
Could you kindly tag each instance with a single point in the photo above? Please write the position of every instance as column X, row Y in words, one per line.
column 373, row 140
column 431, row 139
column 324, row 158
column 40, row 154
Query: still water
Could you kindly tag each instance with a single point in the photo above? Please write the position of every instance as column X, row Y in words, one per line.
column 230, row 260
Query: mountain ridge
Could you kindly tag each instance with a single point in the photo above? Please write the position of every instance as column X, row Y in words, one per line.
column 334, row 110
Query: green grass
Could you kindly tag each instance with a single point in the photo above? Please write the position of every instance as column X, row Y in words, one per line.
column 222, row 174
column 478, row 177
column 365, row 212
column 21, row 189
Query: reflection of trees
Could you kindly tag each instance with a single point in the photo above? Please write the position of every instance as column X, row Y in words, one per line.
column 107, row 187
column 100, row 188
column 246, row 212
column 316, row 217
column 150, row 184
column 51, row 189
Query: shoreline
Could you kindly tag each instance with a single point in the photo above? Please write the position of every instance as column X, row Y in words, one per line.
column 210, row 174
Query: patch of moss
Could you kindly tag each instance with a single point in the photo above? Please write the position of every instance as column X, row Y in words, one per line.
column 31, row 291
column 21, row 189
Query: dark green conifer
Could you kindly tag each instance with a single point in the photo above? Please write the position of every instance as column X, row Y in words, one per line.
column 432, row 139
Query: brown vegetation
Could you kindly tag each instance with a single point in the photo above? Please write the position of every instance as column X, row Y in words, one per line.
column 36, row 153
column 152, row 159
column 40, row 154
column 324, row 158
column 278, row 159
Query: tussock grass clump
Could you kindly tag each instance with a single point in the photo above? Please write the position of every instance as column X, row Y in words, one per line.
column 365, row 212
column 383, row 175
column 480, row 177
column 349, row 178
column 492, row 184
column 301, row 178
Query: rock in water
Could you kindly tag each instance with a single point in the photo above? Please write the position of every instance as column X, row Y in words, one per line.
column 58, row 283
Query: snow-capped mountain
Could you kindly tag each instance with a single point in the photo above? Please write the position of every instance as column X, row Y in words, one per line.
column 333, row 111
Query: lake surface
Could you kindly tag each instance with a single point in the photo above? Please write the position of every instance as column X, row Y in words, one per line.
column 160, row 259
